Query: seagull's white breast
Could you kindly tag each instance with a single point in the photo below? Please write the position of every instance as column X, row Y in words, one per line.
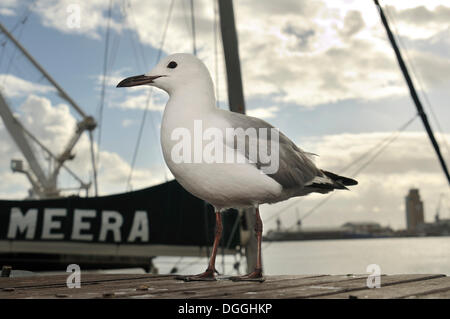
column 222, row 184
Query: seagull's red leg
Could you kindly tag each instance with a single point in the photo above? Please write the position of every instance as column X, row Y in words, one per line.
column 255, row 275
column 209, row 272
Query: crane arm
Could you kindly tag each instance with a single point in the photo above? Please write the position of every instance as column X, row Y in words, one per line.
column 18, row 135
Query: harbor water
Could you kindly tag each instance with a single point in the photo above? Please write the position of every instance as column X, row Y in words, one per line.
column 414, row 255
column 352, row 256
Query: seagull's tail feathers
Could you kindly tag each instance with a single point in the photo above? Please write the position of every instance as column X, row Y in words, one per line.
column 330, row 181
column 340, row 180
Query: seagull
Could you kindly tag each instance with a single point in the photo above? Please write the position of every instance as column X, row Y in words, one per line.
column 244, row 181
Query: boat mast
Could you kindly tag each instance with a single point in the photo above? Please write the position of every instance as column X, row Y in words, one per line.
column 412, row 91
column 87, row 123
column 231, row 52
column 236, row 100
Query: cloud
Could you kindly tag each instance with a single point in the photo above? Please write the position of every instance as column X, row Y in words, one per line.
column 93, row 16
column 264, row 112
column 15, row 86
column 7, row 12
column 7, row 7
column 154, row 101
column 52, row 124
column 334, row 55
column 353, row 23
column 421, row 15
column 412, row 151
column 433, row 69
column 111, row 80
column 128, row 122
column 419, row 22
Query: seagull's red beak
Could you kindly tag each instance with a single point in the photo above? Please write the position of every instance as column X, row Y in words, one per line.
column 138, row 80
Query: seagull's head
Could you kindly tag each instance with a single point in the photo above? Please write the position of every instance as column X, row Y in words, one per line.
column 171, row 73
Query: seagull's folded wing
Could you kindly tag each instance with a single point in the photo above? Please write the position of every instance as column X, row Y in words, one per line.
column 295, row 167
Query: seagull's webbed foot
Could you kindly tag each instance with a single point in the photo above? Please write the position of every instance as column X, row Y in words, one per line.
column 256, row 275
column 208, row 275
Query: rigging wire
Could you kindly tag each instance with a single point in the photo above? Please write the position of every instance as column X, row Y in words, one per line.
column 139, row 47
column 94, row 168
column 144, row 60
column 194, row 44
column 372, row 153
column 20, row 72
column 114, row 49
column 386, row 142
column 137, row 59
column 96, row 162
column 19, row 23
column 412, row 91
column 216, row 54
column 367, row 163
column 14, row 53
column 186, row 17
column 22, row 19
column 141, row 128
column 418, row 78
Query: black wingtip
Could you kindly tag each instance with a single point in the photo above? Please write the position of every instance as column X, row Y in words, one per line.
column 345, row 181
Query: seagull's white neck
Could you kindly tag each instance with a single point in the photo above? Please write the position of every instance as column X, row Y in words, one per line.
column 194, row 97
column 191, row 101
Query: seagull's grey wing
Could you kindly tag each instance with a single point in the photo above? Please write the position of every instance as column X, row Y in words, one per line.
column 295, row 167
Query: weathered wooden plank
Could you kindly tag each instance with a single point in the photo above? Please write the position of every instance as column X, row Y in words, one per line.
column 444, row 294
column 201, row 289
column 399, row 290
column 96, row 284
column 231, row 291
column 42, row 281
column 48, row 286
column 165, row 286
column 169, row 287
column 324, row 289
column 123, row 287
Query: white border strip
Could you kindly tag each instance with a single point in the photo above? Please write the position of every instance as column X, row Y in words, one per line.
column 92, row 249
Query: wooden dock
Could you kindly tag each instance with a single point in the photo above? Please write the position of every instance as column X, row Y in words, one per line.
column 166, row 287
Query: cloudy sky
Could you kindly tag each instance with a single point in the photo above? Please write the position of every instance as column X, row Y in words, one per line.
column 321, row 71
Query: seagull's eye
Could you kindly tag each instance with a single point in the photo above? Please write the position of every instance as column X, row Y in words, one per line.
column 172, row 65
